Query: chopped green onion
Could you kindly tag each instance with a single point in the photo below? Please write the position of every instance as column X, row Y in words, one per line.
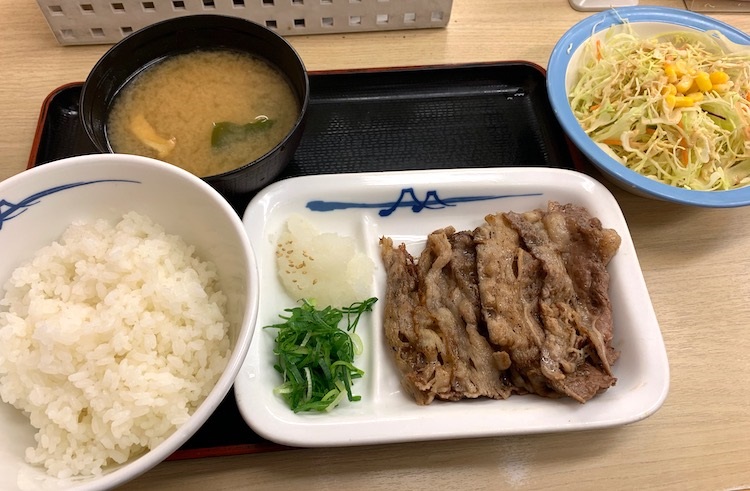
column 316, row 357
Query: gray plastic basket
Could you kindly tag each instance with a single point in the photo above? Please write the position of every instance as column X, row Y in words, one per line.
column 76, row 22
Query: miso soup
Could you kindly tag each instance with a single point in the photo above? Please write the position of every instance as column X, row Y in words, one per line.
column 206, row 111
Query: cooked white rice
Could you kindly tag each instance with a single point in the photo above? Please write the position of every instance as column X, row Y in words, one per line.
column 109, row 340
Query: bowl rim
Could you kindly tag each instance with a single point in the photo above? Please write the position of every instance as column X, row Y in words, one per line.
column 558, row 96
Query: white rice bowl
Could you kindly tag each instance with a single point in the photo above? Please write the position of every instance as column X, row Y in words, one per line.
column 122, row 339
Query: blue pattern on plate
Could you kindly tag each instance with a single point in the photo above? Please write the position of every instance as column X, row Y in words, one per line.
column 10, row 210
column 408, row 199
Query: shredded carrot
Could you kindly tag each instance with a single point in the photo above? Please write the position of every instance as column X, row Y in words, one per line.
column 594, row 107
column 684, row 152
column 685, row 157
column 598, row 49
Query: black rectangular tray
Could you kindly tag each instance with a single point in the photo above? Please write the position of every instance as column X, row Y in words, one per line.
column 432, row 117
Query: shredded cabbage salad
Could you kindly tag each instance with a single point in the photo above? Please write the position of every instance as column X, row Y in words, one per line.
column 673, row 108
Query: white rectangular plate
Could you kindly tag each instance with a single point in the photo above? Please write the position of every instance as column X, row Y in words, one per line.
column 407, row 206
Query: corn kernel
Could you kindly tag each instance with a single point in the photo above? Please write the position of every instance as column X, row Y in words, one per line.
column 703, row 81
column 669, row 89
column 671, row 72
column 683, row 86
column 669, row 100
column 718, row 77
column 683, row 101
column 696, row 96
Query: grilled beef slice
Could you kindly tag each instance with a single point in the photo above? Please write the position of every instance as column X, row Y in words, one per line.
column 510, row 284
column 569, row 321
column 432, row 321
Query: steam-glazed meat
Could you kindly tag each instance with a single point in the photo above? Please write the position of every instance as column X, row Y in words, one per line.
column 557, row 279
column 432, row 319
column 520, row 304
